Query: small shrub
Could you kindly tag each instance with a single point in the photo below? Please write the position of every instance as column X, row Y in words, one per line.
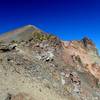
column 1, row 42
column 39, row 36
column 13, row 41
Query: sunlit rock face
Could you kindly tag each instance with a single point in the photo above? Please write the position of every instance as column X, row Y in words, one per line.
column 35, row 65
column 82, row 53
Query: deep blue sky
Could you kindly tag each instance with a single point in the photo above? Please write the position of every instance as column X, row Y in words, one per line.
column 68, row 19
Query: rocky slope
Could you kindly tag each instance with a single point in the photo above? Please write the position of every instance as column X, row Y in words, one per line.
column 35, row 65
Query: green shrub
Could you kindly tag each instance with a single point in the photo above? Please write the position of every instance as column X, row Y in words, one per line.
column 39, row 36
column 13, row 41
column 1, row 42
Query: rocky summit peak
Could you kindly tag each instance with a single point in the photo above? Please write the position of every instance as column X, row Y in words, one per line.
column 87, row 41
column 32, row 26
column 35, row 65
column 23, row 33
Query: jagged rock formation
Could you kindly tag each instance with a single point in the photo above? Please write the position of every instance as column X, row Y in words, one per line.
column 35, row 65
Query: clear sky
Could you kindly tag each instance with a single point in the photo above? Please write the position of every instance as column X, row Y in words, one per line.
column 68, row 19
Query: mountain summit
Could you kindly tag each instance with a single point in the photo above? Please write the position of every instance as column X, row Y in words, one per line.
column 35, row 65
column 23, row 33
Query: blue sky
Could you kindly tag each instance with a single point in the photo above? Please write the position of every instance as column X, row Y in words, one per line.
column 68, row 19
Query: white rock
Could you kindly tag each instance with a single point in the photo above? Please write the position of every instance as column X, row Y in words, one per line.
column 62, row 80
column 62, row 73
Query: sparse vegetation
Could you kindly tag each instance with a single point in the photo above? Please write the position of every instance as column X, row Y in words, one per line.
column 1, row 42
column 1, row 60
column 13, row 41
column 39, row 36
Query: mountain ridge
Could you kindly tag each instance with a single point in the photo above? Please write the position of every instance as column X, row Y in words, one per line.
column 35, row 65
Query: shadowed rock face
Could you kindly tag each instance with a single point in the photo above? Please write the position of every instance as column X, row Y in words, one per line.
column 89, row 45
column 87, row 41
column 35, row 65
